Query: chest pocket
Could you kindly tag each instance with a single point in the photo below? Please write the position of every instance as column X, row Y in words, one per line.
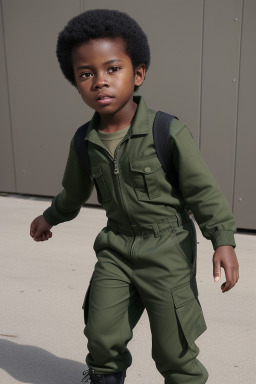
column 145, row 174
column 101, row 188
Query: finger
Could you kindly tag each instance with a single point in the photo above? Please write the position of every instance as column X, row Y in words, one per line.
column 32, row 230
column 44, row 237
column 40, row 234
column 230, row 282
column 234, row 273
column 216, row 271
column 37, row 238
column 231, row 278
column 225, row 287
column 47, row 235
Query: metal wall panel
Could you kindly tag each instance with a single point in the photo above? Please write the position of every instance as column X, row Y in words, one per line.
column 7, row 171
column 194, row 74
column 245, row 181
column 221, row 57
column 174, row 30
column 45, row 109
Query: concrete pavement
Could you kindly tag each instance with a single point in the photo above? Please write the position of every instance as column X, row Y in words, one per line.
column 42, row 286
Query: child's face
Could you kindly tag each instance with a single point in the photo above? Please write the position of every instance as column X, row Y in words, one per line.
column 105, row 76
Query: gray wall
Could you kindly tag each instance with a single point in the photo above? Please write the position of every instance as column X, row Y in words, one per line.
column 202, row 70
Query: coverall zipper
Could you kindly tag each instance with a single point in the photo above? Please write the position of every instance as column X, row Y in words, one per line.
column 116, row 172
column 116, row 169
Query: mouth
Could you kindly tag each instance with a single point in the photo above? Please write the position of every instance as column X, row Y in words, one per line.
column 104, row 99
column 104, row 96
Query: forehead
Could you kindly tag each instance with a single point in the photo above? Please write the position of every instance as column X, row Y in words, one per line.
column 101, row 49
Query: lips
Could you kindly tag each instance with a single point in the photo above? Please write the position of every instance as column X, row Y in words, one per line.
column 102, row 96
column 104, row 99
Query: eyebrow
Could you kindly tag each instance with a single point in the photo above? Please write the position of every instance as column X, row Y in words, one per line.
column 105, row 63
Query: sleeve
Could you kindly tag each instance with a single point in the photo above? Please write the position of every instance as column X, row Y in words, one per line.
column 77, row 188
column 200, row 190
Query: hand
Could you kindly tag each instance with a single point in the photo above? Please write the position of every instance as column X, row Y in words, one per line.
column 225, row 257
column 40, row 229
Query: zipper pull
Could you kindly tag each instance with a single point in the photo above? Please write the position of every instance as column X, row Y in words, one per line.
column 116, row 170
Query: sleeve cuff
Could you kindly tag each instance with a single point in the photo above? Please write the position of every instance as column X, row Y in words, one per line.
column 54, row 218
column 222, row 238
column 50, row 218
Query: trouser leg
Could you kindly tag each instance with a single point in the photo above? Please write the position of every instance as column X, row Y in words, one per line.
column 175, row 359
column 114, row 309
column 175, row 315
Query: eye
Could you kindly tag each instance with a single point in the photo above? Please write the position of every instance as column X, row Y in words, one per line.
column 114, row 69
column 85, row 75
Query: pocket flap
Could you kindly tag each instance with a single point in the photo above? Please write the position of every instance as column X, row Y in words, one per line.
column 189, row 311
column 146, row 165
column 185, row 294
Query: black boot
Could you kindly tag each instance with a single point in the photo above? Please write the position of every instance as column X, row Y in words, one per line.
column 96, row 378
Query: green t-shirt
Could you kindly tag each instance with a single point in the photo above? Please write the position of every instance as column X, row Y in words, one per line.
column 111, row 140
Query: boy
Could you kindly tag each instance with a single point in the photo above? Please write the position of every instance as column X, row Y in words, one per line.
column 147, row 252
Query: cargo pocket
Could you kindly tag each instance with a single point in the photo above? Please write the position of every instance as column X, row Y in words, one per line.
column 145, row 174
column 101, row 188
column 85, row 305
column 189, row 312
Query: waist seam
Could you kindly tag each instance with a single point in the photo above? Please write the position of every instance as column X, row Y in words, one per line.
column 156, row 228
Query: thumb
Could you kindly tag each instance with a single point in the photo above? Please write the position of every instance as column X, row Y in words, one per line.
column 33, row 228
column 216, row 269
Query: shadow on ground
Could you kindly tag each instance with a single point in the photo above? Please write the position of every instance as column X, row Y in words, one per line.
column 28, row 364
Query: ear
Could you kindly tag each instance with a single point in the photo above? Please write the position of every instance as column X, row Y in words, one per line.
column 140, row 72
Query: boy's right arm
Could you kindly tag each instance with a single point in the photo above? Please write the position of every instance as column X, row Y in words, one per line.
column 66, row 205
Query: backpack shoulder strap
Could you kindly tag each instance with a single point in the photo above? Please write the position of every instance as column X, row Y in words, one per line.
column 161, row 135
column 81, row 146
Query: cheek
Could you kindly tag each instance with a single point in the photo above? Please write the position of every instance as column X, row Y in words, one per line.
column 126, row 83
column 83, row 90
column 84, row 95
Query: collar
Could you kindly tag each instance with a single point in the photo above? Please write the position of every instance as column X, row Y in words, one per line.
column 139, row 125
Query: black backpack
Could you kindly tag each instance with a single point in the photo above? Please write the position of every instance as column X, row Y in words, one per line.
column 161, row 134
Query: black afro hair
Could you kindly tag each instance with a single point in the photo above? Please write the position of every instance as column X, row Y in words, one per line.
column 101, row 23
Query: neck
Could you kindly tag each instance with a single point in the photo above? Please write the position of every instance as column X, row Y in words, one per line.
column 118, row 121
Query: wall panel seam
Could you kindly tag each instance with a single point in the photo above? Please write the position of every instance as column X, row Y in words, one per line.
column 201, row 78
column 8, row 95
column 237, row 104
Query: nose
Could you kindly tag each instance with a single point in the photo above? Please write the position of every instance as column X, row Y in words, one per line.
column 100, row 82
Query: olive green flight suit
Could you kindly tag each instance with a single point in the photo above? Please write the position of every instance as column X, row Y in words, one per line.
column 147, row 252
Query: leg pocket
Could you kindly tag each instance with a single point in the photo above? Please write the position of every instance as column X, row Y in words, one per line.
column 185, row 242
column 189, row 311
column 98, row 242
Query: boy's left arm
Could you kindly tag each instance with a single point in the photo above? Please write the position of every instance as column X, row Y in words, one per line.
column 225, row 257
column 208, row 204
